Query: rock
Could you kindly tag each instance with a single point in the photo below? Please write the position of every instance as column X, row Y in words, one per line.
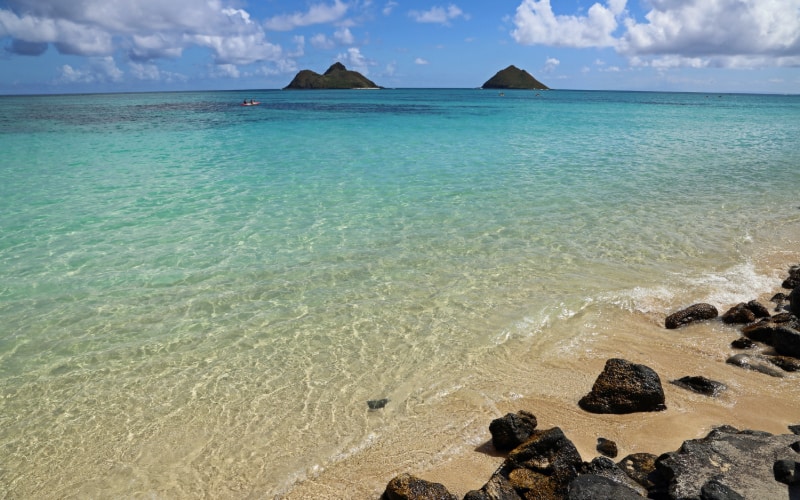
column 514, row 78
column 794, row 301
column 758, row 309
column 544, row 465
column 607, row 447
column 700, row 385
column 779, row 298
column 510, row 431
column 767, row 329
column 641, row 468
column 786, row 341
column 604, row 467
column 740, row 460
column 498, row 488
column 739, row 314
column 408, row 487
column 752, row 363
column 336, row 77
column 377, row 404
column 743, row 343
column 624, row 387
column 787, row 471
column 785, row 363
column 592, row 487
column 696, row 312
column 795, row 429
column 715, row 490
column 793, row 281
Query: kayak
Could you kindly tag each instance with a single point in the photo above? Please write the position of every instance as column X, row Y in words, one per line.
column 254, row 103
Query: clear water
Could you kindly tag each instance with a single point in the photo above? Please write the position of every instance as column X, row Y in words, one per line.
column 198, row 298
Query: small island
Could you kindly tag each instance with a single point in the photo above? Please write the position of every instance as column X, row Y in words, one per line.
column 514, row 78
column 337, row 77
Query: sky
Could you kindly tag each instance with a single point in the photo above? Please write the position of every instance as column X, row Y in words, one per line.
column 78, row 46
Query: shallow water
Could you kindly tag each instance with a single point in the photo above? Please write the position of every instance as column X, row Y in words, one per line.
column 199, row 298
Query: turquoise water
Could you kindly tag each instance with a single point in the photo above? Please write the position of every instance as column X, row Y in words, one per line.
column 198, row 298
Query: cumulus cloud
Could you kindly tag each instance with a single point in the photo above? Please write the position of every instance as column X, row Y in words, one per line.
column 537, row 24
column 551, row 64
column 316, row 14
column 101, row 70
column 673, row 33
column 389, row 7
column 420, row 61
column 355, row 60
column 344, row 37
column 438, row 15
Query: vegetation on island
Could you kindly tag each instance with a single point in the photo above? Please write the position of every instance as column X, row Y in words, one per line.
column 514, row 78
column 337, row 77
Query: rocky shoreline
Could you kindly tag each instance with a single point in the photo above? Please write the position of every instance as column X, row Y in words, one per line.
column 728, row 463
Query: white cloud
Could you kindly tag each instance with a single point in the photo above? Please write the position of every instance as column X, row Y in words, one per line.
column 316, row 14
column 389, row 7
column 420, row 61
column 536, row 24
column 438, row 15
column 355, row 60
column 101, row 69
column 344, row 37
column 724, row 33
column 673, row 33
column 321, row 41
column 551, row 64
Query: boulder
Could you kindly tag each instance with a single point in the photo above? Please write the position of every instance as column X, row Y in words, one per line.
column 753, row 363
column 593, row 487
column 408, row 487
column 641, row 468
column 512, row 430
column 700, row 385
column 607, row 447
column 742, row 461
column 795, row 429
column 793, row 281
column 764, row 330
column 604, row 467
column 714, row 489
column 696, row 312
column 785, row 363
column 544, row 465
column 739, row 314
column 794, row 301
column 625, row 387
column 759, row 309
column 498, row 488
column 786, row 472
column 743, row 343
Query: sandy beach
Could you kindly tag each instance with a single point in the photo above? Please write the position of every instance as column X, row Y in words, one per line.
column 461, row 456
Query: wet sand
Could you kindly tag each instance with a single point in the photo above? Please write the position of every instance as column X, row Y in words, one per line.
column 556, row 375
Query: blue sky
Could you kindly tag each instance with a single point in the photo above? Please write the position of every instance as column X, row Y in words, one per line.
column 64, row 46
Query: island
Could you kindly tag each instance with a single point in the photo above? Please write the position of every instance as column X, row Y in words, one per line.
column 337, row 77
column 514, row 78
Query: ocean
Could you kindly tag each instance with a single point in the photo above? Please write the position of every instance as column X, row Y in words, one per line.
column 198, row 299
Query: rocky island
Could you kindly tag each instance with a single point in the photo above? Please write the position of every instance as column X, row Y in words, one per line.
column 514, row 78
column 337, row 77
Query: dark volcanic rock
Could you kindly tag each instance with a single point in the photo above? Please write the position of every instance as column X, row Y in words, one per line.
column 753, row 363
column 696, row 312
column 740, row 460
column 544, row 465
column 510, row 431
column 743, row 343
column 408, row 487
column 641, row 467
column 795, row 429
column 781, row 331
column 377, row 404
column 604, row 467
column 785, row 363
column 759, row 309
column 592, row 487
column 701, row 385
column 607, row 447
column 337, row 77
column 498, row 488
column 514, row 78
column 715, row 490
column 786, row 471
column 793, row 281
column 739, row 314
column 794, row 301
column 624, row 387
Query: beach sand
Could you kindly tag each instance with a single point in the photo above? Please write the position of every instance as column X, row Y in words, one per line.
column 461, row 457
